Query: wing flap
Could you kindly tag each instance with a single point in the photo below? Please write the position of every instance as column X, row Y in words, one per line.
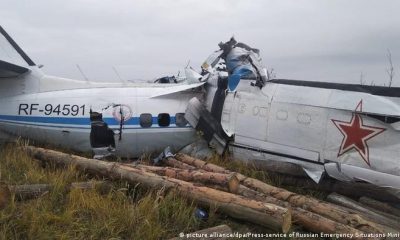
column 175, row 89
column 10, row 70
column 341, row 99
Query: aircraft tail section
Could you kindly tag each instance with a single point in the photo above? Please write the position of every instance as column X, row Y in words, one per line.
column 13, row 60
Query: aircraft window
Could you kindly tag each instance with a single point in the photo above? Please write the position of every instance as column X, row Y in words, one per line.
column 146, row 120
column 180, row 120
column 164, row 120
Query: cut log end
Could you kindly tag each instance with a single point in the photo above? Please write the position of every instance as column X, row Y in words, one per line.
column 287, row 221
column 233, row 183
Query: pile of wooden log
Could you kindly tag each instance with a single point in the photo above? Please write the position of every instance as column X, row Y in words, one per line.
column 234, row 194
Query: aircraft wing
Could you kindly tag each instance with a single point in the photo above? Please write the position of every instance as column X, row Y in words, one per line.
column 10, row 70
column 175, row 89
column 377, row 100
column 13, row 60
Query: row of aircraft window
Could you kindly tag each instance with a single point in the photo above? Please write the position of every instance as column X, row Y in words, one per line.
column 163, row 120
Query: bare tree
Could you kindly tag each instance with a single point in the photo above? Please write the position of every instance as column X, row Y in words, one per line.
column 390, row 69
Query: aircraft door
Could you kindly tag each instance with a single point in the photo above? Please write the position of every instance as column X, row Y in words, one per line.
column 250, row 115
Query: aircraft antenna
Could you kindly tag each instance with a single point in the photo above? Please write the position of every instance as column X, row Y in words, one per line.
column 83, row 74
column 117, row 73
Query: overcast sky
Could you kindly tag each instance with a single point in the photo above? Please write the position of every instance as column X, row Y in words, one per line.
column 317, row 40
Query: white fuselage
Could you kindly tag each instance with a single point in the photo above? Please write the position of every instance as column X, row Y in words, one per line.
column 350, row 135
column 62, row 117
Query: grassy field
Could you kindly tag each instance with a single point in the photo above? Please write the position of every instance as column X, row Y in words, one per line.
column 127, row 212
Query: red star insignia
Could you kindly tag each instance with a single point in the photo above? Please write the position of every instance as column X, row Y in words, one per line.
column 356, row 134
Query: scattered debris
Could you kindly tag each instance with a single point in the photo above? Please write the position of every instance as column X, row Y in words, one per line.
column 201, row 214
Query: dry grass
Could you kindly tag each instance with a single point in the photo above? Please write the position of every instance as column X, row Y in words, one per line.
column 127, row 212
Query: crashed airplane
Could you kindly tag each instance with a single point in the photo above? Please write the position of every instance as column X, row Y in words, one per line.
column 349, row 132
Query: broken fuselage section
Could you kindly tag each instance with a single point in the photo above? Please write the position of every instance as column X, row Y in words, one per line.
column 349, row 132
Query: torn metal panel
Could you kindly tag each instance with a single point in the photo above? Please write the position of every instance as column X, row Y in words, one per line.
column 201, row 119
column 192, row 77
column 164, row 154
column 346, row 172
column 210, row 63
column 229, row 114
column 198, row 149
column 246, row 152
column 241, row 61
column 219, row 98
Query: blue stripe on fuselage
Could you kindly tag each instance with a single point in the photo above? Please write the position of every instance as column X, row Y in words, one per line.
column 54, row 120
column 134, row 121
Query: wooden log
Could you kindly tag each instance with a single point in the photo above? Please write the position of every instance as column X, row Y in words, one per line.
column 200, row 164
column 322, row 208
column 331, row 211
column 172, row 162
column 319, row 224
column 265, row 214
column 381, row 206
column 327, row 185
column 29, row 191
column 229, row 180
column 331, row 185
column 269, row 215
column 308, row 220
column 102, row 187
column 217, row 232
column 365, row 212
